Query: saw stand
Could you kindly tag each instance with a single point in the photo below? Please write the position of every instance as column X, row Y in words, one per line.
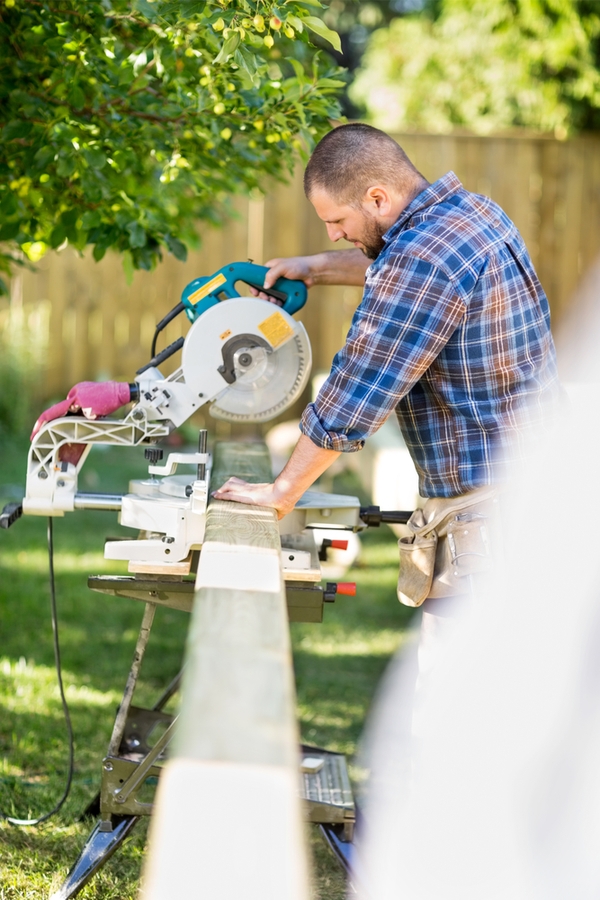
column 133, row 761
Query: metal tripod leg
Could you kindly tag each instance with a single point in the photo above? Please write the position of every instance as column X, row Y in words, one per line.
column 99, row 847
column 140, row 649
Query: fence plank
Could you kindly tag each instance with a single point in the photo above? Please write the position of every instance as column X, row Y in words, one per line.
column 228, row 819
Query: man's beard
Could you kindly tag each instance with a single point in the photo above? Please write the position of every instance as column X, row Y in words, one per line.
column 372, row 238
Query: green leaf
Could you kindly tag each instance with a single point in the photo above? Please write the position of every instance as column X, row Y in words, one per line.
column 246, row 60
column 9, row 231
column 331, row 83
column 69, row 217
column 9, row 204
column 17, row 128
column 296, row 23
column 76, row 97
column 44, row 156
column 292, row 90
column 66, row 166
column 95, row 158
column 90, row 219
column 137, row 235
column 319, row 27
column 147, row 9
column 229, row 47
column 177, row 247
column 99, row 251
column 298, row 67
column 58, row 236
column 128, row 266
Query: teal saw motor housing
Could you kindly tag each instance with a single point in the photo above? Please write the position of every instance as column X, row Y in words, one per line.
column 202, row 293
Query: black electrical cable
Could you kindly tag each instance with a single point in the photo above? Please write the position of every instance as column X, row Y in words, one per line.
column 61, row 689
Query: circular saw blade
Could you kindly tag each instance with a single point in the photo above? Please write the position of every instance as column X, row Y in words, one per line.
column 269, row 386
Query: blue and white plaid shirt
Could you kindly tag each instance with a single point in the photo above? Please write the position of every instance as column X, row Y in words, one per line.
column 453, row 333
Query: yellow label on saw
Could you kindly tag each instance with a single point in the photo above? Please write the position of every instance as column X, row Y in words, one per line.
column 276, row 329
column 207, row 288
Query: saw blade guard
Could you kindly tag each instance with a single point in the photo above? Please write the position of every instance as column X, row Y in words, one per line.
column 250, row 356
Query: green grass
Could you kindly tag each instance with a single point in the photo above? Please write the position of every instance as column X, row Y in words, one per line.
column 338, row 665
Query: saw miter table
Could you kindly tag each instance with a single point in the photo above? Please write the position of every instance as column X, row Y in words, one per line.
column 250, row 360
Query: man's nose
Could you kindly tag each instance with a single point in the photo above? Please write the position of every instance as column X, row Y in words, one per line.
column 334, row 232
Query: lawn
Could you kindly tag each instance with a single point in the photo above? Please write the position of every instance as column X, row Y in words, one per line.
column 338, row 665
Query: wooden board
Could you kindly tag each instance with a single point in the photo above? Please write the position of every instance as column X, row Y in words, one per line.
column 236, row 751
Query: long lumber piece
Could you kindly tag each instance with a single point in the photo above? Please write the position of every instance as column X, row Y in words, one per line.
column 228, row 820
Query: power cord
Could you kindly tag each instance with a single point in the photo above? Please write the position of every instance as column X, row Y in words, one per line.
column 67, row 716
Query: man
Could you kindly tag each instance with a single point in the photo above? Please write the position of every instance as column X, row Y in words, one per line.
column 452, row 333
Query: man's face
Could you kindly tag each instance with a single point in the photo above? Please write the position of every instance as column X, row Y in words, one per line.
column 354, row 224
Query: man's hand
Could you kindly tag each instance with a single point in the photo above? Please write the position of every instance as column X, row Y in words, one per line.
column 296, row 268
column 345, row 267
column 256, row 495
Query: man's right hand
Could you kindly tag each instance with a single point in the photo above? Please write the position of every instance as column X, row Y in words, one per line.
column 296, row 268
column 344, row 267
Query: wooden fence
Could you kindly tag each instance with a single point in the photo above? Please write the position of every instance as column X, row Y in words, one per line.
column 85, row 322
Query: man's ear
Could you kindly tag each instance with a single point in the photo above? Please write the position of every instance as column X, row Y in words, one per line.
column 378, row 200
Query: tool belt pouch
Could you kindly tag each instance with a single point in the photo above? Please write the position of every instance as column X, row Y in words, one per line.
column 450, row 541
column 417, row 563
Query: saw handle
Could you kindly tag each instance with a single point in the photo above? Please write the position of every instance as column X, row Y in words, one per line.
column 202, row 293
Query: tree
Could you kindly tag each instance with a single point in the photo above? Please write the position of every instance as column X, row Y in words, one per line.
column 124, row 123
column 355, row 21
column 486, row 65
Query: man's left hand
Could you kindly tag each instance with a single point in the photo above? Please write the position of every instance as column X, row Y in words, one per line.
column 256, row 495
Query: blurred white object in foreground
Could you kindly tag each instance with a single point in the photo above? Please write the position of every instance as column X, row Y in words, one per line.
column 499, row 797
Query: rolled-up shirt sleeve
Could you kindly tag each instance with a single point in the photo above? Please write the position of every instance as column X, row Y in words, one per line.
column 409, row 310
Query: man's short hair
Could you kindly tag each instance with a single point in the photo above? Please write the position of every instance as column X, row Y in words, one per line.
column 352, row 158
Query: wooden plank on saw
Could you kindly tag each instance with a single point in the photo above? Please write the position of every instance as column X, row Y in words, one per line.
column 228, row 819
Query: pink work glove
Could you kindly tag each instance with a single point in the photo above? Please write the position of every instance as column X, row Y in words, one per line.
column 92, row 398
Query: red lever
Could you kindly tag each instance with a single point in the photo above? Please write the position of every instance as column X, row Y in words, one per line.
column 346, row 587
column 339, row 545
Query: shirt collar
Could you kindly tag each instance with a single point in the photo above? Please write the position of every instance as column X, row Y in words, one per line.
column 444, row 187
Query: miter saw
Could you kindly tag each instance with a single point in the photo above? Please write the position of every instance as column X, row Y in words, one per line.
column 247, row 358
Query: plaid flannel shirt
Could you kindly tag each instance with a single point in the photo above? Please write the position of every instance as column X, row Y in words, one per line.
column 453, row 333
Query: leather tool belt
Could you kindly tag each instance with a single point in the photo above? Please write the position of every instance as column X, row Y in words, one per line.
column 450, row 540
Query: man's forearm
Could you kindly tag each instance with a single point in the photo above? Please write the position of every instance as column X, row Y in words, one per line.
column 330, row 267
column 305, row 465
column 347, row 267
